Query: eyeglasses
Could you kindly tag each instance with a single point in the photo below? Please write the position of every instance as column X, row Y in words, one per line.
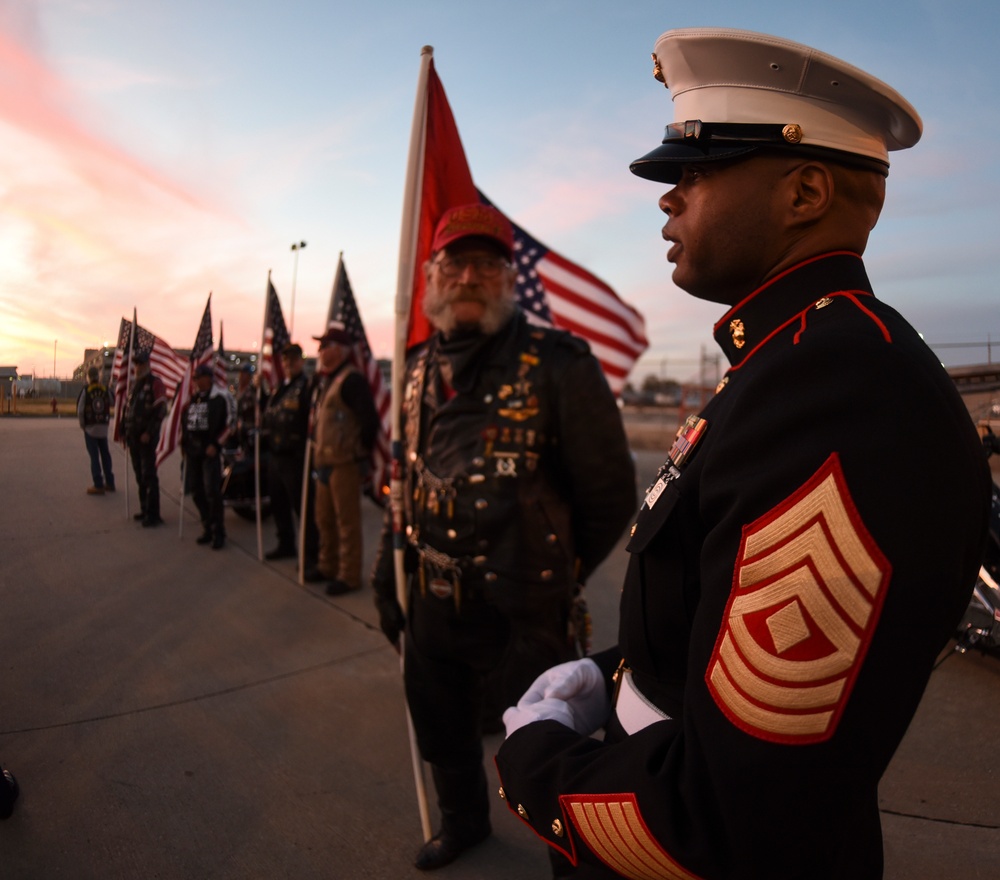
column 486, row 267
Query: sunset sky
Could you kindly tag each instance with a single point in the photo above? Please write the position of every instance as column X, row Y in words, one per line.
column 152, row 151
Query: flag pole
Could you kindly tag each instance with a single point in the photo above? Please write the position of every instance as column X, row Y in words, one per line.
column 256, row 433
column 180, row 513
column 404, row 287
column 304, row 511
column 128, row 394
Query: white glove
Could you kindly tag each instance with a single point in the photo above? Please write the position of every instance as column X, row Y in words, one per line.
column 541, row 710
column 577, row 685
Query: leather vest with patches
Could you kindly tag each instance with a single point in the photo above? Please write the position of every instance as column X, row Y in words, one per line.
column 481, row 504
column 338, row 431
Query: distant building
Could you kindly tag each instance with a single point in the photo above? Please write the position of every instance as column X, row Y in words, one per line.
column 102, row 358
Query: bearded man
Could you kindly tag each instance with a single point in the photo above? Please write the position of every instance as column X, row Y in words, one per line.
column 519, row 482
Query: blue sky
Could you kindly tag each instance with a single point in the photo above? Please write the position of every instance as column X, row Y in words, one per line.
column 154, row 150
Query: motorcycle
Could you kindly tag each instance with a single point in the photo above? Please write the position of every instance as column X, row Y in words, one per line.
column 980, row 626
column 238, row 487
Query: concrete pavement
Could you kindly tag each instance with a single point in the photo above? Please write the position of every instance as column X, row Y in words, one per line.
column 175, row 712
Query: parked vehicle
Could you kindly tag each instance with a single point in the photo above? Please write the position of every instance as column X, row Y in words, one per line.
column 238, row 487
column 980, row 627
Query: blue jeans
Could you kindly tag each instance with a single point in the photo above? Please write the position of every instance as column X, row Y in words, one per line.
column 100, row 454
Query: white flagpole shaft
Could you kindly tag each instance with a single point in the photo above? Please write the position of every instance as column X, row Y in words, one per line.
column 404, row 288
column 128, row 393
column 419, row 783
column 256, row 489
column 304, row 511
column 258, row 421
column 180, row 514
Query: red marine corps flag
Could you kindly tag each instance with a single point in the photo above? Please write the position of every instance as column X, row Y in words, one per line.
column 551, row 290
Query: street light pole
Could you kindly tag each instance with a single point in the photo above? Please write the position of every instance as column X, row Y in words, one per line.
column 296, row 247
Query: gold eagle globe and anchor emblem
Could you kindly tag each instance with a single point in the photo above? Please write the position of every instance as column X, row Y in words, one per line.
column 737, row 331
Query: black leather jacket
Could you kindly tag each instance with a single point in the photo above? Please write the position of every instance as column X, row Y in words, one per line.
column 286, row 419
column 518, row 476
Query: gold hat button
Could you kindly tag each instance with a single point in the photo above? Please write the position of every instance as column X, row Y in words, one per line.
column 792, row 133
column 824, row 302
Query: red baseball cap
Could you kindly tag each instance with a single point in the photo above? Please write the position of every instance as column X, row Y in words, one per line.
column 478, row 220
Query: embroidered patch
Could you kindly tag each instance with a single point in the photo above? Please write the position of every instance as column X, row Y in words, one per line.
column 808, row 588
column 613, row 828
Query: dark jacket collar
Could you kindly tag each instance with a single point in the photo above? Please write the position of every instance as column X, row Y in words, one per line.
column 748, row 324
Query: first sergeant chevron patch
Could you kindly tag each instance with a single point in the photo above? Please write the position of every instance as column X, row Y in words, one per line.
column 808, row 587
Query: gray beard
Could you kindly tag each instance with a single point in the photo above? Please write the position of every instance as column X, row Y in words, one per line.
column 496, row 315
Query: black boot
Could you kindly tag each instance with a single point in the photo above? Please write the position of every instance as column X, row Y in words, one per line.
column 465, row 820
column 9, row 791
column 206, row 534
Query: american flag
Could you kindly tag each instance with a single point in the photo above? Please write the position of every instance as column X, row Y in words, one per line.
column 551, row 289
column 555, row 292
column 201, row 353
column 275, row 338
column 344, row 308
column 164, row 362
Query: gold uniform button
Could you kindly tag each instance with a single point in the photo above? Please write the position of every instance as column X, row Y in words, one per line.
column 792, row 133
column 557, row 828
column 523, row 813
column 631, row 531
column 502, row 793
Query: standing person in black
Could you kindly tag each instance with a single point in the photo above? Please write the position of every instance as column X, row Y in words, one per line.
column 204, row 433
column 144, row 412
column 93, row 409
column 286, row 428
column 795, row 570
column 518, row 483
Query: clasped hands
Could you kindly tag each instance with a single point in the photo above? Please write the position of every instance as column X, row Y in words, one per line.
column 573, row 693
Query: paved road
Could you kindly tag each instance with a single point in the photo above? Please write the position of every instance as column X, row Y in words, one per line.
column 174, row 712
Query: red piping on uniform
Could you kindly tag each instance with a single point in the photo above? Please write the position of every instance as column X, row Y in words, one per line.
column 781, row 275
column 852, row 295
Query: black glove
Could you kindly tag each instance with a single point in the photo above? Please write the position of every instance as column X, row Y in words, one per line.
column 390, row 617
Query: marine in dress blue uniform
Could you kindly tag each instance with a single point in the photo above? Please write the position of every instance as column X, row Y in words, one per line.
column 795, row 569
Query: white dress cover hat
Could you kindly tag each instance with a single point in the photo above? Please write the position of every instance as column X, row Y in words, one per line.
column 735, row 92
